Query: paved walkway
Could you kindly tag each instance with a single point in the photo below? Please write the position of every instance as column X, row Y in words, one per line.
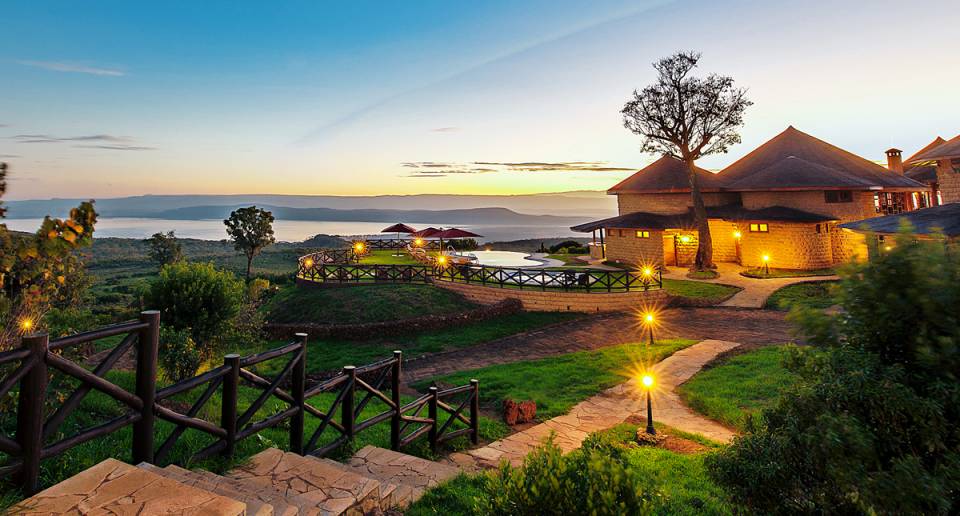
column 612, row 407
column 595, row 332
column 755, row 291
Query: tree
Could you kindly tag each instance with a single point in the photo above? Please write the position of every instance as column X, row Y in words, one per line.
column 251, row 229
column 165, row 248
column 871, row 427
column 41, row 270
column 198, row 298
column 687, row 118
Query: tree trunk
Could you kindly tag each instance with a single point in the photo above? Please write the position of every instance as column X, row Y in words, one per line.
column 249, row 263
column 704, row 259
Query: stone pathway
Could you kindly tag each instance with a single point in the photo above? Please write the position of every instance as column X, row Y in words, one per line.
column 612, row 407
column 595, row 332
column 755, row 291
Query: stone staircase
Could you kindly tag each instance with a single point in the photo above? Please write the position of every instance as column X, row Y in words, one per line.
column 271, row 483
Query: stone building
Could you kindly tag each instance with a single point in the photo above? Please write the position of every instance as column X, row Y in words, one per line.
column 779, row 205
column 937, row 165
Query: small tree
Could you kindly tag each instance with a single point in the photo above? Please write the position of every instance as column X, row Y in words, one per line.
column 164, row 248
column 198, row 298
column 687, row 118
column 251, row 229
column 41, row 270
column 871, row 428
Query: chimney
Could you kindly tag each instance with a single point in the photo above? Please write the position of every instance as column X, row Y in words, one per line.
column 895, row 160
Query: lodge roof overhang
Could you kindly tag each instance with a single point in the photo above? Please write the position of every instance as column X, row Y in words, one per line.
column 644, row 220
column 943, row 219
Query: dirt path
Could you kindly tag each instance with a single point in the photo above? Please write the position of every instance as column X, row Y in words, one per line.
column 611, row 407
column 728, row 324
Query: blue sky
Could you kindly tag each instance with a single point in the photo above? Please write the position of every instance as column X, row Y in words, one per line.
column 102, row 99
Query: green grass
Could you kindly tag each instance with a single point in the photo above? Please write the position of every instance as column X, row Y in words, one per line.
column 813, row 294
column 743, row 384
column 680, row 481
column 557, row 383
column 386, row 257
column 569, row 259
column 707, row 274
column 786, row 273
column 327, row 355
column 361, row 304
column 699, row 289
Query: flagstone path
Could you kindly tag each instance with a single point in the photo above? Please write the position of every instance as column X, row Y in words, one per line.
column 755, row 290
column 612, row 407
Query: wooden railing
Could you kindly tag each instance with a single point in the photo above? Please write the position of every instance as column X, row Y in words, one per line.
column 398, row 244
column 353, row 389
column 372, row 273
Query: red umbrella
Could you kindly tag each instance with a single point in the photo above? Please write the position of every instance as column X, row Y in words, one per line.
column 426, row 232
column 398, row 228
column 453, row 233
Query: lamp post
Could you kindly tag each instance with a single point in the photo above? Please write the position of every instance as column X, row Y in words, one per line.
column 766, row 264
column 647, row 382
column 649, row 319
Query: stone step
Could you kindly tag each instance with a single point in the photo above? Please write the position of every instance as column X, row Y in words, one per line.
column 112, row 487
column 263, row 502
column 317, row 487
column 392, row 496
column 412, row 475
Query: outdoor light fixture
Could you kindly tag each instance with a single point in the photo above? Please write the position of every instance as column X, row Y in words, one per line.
column 647, row 271
column 647, row 381
column 888, row 248
column 442, row 260
column 308, row 263
column 26, row 324
column 685, row 239
column 359, row 247
column 737, row 234
column 766, row 264
column 418, row 242
column 649, row 319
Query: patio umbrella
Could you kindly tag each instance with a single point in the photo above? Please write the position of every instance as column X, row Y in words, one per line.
column 453, row 233
column 399, row 228
column 426, row 232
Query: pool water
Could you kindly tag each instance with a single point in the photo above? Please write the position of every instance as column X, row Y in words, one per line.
column 503, row 258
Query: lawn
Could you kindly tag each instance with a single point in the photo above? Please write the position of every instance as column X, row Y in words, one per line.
column 557, row 383
column 327, row 355
column 711, row 292
column 386, row 257
column 361, row 304
column 679, row 482
column 786, row 273
column 569, row 259
column 740, row 385
column 813, row 294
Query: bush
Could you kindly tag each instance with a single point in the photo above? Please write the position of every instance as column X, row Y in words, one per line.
column 569, row 247
column 179, row 356
column 196, row 297
column 871, row 425
column 257, row 288
column 587, row 481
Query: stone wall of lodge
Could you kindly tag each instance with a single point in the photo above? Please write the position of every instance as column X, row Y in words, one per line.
column 623, row 245
column 789, row 246
column 861, row 208
column 559, row 301
column 949, row 180
column 670, row 203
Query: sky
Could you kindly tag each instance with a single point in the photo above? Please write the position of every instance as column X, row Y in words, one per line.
column 113, row 98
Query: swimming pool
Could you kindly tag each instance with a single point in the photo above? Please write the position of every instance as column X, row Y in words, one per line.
column 503, row 258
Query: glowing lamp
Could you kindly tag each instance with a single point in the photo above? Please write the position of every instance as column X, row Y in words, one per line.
column 647, row 271
column 359, row 247
column 442, row 260
column 647, row 381
column 418, row 242
column 888, row 248
column 766, row 257
column 26, row 324
column 308, row 263
column 685, row 239
column 737, row 234
column 648, row 318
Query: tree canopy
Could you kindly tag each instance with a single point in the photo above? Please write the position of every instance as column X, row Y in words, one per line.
column 251, row 229
column 164, row 248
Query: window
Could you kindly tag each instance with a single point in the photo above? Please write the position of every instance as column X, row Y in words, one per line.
column 620, row 233
column 759, row 228
column 835, row 196
column 818, row 228
column 890, row 203
column 643, row 234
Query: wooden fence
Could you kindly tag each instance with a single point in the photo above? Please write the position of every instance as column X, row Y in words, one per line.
column 585, row 280
column 352, row 390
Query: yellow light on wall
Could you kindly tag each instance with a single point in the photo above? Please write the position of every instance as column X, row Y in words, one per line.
column 737, row 234
column 685, row 239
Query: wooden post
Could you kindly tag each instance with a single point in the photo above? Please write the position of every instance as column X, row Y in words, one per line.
column 395, row 397
column 228, row 406
column 475, row 411
column 347, row 417
column 148, row 342
column 432, row 415
column 33, row 390
column 603, row 248
column 298, row 386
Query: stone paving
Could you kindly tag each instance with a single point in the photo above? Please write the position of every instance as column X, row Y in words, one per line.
column 410, row 475
column 755, row 291
column 612, row 407
column 115, row 488
column 595, row 332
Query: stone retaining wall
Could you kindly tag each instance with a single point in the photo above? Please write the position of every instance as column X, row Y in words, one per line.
column 554, row 301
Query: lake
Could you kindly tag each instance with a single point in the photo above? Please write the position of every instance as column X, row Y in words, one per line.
column 286, row 230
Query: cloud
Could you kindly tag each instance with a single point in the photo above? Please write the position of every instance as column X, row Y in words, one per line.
column 90, row 141
column 10, row 156
column 117, row 147
column 445, row 130
column 427, row 164
column 563, row 166
column 448, row 172
column 56, row 66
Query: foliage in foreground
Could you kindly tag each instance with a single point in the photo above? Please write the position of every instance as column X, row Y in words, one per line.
column 608, row 475
column 872, row 426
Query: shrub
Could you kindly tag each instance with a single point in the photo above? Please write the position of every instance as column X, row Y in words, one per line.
column 179, row 356
column 196, row 297
column 871, row 425
column 257, row 288
column 568, row 247
column 587, row 481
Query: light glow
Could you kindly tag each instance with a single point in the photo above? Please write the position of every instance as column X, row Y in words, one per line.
column 418, row 242
column 647, row 381
column 26, row 324
column 648, row 318
column 685, row 239
column 737, row 234
column 308, row 263
column 647, row 271
column 766, row 258
column 442, row 260
column 359, row 247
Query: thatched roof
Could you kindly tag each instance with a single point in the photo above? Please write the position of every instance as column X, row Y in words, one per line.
column 946, row 150
column 943, row 219
column 794, row 160
column 665, row 175
column 686, row 220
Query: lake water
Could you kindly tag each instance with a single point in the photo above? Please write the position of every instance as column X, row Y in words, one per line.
column 287, row 230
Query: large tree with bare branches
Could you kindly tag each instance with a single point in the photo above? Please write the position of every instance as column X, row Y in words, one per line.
column 687, row 118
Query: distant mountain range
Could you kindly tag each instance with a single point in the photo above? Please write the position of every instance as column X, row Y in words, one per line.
column 531, row 209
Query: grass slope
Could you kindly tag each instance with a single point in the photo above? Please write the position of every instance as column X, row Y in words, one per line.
column 740, row 385
column 813, row 294
column 557, row 383
column 361, row 304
